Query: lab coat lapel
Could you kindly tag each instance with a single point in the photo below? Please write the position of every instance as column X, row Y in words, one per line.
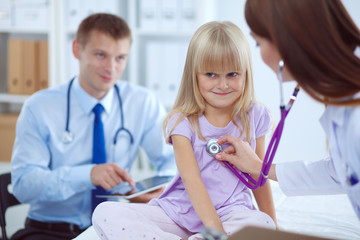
column 332, row 122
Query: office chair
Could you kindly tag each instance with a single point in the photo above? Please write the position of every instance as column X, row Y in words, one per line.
column 7, row 200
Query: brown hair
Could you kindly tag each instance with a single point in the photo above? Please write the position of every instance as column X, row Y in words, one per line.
column 316, row 39
column 106, row 23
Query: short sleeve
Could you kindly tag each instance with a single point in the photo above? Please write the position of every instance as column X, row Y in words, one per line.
column 182, row 128
column 262, row 120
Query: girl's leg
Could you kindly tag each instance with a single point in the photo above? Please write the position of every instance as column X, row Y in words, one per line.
column 238, row 219
column 115, row 220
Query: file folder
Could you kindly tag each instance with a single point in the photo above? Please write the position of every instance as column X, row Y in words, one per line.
column 42, row 81
column 15, row 66
column 29, row 65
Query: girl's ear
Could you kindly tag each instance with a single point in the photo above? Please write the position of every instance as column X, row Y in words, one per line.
column 76, row 49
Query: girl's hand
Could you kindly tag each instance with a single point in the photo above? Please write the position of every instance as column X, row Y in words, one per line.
column 240, row 154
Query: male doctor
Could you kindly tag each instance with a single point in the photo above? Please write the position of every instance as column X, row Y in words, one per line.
column 83, row 136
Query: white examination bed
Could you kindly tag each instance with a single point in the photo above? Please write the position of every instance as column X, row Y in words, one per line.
column 329, row 216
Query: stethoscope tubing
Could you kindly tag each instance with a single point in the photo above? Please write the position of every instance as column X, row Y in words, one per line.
column 122, row 127
column 274, row 142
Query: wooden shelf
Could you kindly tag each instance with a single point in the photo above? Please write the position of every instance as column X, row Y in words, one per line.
column 13, row 98
column 23, row 30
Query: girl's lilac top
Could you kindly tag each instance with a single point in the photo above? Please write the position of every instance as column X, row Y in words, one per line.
column 226, row 191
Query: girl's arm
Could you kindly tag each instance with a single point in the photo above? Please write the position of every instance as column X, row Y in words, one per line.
column 263, row 194
column 191, row 177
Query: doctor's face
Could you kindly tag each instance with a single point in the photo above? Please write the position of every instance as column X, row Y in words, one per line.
column 102, row 61
column 271, row 56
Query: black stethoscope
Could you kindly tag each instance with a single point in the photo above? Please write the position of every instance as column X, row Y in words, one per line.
column 68, row 136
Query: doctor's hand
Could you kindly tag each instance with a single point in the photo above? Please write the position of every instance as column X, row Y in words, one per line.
column 109, row 175
column 240, row 154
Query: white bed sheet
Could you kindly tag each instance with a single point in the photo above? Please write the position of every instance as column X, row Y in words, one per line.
column 328, row 216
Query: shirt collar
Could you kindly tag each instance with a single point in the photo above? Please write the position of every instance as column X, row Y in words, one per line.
column 87, row 102
column 337, row 113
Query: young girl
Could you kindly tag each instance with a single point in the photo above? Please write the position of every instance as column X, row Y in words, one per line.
column 216, row 98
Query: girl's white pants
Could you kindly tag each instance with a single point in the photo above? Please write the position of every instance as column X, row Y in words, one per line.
column 117, row 220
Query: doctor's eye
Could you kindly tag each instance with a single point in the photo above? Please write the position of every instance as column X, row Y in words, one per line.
column 210, row 74
column 257, row 44
column 100, row 55
column 121, row 58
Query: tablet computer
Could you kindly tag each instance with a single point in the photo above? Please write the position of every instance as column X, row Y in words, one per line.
column 125, row 191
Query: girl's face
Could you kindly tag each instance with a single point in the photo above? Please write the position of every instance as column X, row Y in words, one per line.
column 271, row 56
column 221, row 89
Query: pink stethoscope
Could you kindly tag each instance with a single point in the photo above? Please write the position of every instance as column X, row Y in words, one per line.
column 213, row 147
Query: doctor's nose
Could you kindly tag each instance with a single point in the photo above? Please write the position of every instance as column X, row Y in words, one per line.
column 110, row 65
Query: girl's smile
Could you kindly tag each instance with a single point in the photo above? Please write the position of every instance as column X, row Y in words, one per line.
column 220, row 90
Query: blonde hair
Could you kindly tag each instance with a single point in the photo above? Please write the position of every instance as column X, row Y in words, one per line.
column 215, row 47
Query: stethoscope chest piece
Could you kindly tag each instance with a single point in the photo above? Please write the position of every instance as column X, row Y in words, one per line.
column 67, row 137
column 213, row 148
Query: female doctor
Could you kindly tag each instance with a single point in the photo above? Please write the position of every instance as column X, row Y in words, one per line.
column 319, row 45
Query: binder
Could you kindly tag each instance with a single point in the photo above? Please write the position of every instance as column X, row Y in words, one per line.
column 169, row 72
column 72, row 63
column 75, row 13
column 34, row 13
column 15, row 66
column 109, row 6
column 149, row 14
column 90, row 7
column 7, row 135
column 169, row 15
column 29, row 67
column 188, row 15
column 153, row 67
column 5, row 13
column 42, row 80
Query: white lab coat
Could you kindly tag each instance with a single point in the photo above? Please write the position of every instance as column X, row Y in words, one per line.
column 331, row 175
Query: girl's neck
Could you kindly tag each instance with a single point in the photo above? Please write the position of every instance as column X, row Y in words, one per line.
column 218, row 118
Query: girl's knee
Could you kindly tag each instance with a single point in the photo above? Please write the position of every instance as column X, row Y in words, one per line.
column 264, row 220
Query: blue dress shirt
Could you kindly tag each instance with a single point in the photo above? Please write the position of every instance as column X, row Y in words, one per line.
column 53, row 176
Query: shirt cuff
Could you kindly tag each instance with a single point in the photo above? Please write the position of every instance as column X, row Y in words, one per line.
column 80, row 178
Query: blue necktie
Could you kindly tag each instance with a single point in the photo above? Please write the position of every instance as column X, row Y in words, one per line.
column 99, row 154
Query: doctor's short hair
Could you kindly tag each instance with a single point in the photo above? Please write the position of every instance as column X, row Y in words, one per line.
column 216, row 47
column 109, row 24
